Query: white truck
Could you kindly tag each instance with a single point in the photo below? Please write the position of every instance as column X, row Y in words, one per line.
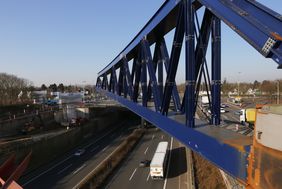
column 204, row 101
column 158, row 163
column 248, row 116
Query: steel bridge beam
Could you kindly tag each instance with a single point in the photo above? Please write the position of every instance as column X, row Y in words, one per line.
column 216, row 70
column 228, row 157
column 259, row 26
column 166, row 60
column 190, row 63
column 152, row 75
column 174, row 60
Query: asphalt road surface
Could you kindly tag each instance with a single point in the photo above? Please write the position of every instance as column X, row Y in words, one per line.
column 69, row 170
column 130, row 175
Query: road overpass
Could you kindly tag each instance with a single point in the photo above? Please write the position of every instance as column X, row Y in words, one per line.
column 135, row 79
column 258, row 25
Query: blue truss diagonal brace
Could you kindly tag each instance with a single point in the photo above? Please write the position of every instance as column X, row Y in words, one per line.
column 151, row 70
column 165, row 57
column 128, row 77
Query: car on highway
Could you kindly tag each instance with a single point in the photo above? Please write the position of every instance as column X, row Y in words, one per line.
column 222, row 110
column 79, row 152
column 144, row 163
column 237, row 112
column 222, row 105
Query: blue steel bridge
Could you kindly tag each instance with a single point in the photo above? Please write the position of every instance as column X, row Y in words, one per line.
column 160, row 102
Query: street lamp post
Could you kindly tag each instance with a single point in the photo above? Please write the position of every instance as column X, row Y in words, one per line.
column 238, row 83
column 83, row 89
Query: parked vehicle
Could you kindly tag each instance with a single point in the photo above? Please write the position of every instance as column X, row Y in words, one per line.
column 159, row 161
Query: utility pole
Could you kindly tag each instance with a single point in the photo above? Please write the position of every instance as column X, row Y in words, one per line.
column 238, row 84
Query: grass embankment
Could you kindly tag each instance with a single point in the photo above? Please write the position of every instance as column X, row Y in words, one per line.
column 207, row 176
column 96, row 178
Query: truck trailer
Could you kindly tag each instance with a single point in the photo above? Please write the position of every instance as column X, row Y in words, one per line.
column 158, row 163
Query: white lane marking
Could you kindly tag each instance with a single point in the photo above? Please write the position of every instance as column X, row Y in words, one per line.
column 179, row 181
column 64, row 169
column 99, row 138
column 105, row 148
column 36, row 177
column 44, row 172
column 132, row 174
column 148, row 176
column 171, row 141
column 224, row 116
column 94, row 149
column 146, row 150
column 153, row 137
column 87, row 176
column 76, row 171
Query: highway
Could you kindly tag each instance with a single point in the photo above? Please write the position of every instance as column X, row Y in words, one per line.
column 230, row 119
column 130, row 175
column 69, row 170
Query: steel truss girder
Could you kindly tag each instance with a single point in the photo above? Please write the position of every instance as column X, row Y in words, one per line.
column 166, row 60
column 144, row 86
column 257, row 24
column 120, row 81
column 155, row 64
column 190, row 63
column 216, row 70
column 159, row 63
column 137, row 77
column 127, row 77
column 201, row 49
column 115, row 83
column 174, row 60
column 253, row 22
column 151, row 70
column 223, row 155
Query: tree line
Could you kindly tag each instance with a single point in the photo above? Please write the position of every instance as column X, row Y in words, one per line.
column 65, row 88
column 16, row 90
column 13, row 90
column 266, row 87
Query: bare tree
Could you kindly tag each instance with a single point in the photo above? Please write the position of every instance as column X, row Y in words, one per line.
column 13, row 90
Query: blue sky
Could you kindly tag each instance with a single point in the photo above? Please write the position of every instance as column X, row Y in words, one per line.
column 70, row 41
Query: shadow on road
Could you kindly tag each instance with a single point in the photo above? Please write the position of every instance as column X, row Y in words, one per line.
column 178, row 162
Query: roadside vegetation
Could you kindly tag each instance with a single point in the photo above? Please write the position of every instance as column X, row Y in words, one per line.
column 265, row 87
column 13, row 90
column 207, row 176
